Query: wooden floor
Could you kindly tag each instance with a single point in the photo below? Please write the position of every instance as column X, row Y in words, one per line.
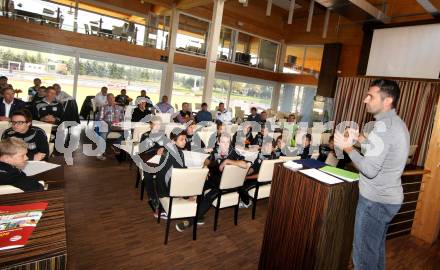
column 108, row 227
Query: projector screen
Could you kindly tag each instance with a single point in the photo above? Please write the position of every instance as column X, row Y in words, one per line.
column 410, row 52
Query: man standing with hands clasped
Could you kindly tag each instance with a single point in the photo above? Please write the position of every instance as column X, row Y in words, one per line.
column 385, row 152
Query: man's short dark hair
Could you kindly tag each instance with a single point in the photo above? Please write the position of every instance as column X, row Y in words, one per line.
column 221, row 103
column 3, row 78
column 176, row 133
column 253, row 109
column 388, row 88
column 204, row 104
column 25, row 113
column 309, row 137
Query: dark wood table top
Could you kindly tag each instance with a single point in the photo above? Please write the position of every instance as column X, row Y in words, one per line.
column 55, row 177
column 49, row 237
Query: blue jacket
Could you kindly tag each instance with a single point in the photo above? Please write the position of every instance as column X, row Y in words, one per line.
column 16, row 105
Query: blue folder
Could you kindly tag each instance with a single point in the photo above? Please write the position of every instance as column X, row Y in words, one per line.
column 311, row 163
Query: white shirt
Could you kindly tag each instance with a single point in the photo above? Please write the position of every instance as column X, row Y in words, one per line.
column 224, row 116
column 7, row 107
column 100, row 100
column 63, row 97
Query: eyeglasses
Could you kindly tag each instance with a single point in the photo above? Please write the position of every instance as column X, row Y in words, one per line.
column 18, row 123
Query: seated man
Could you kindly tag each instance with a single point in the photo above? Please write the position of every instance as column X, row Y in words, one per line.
column 144, row 96
column 33, row 90
column 172, row 157
column 62, row 96
column 266, row 153
column 12, row 160
column 254, row 116
column 204, row 115
column 222, row 115
column 306, row 146
column 164, row 106
column 185, row 115
column 122, row 99
column 215, row 136
column 243, row 137
column 49, row 110
column 40, row 95
column 263, row 117
column 9, row 104
column 141, row 111
column 193, row 140
column 222, row 155
column 34, row 137
column 4, row 84
column 111, row 114
column 152, row 141
column 258, row 140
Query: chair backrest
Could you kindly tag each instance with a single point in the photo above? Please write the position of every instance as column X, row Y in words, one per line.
column 166, row 117
column 139, row 129
column 331, row 160
column 286, row 158
column 266, row 170
column 187, row 182
column 315, row 156
column 198, row 106
column 4, row 125
column 412, row 151
column 233, row 176
column 205, row 135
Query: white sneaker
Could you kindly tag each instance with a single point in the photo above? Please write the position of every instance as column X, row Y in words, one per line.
column 243, row 205
column 101, row 157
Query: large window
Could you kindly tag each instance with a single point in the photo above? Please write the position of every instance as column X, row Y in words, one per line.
column 225, row 47
column 22, row 66
column 187, row 87
column 247, row 48
column 247, row 95
column 220, row 92
column 268, row 55
column 300, row 99
column 94, row 74
column 303, row 59
column 192, row 35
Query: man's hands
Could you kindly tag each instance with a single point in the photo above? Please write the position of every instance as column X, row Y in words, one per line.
column 346, row 140
column 39, row 156
column 49, row 119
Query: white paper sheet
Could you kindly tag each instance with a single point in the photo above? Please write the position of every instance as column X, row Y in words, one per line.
column 155, row 159
column 321, row 176
column 36, row 167
column 194, row 159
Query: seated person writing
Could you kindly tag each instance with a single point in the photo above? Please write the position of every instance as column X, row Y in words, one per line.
column 193, row 140
column 222, row 155
column 12, row 160
column 153, row 141
column 266, row 153
column 9, row 104
column 49, row 110
column 34, row 137
column 141, row 111
column 172, row 157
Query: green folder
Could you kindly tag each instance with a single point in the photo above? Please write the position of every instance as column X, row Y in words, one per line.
column 343, row 174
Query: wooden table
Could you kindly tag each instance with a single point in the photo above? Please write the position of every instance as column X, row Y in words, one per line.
column 47, row 246
column 309, row 224
column 55, row 177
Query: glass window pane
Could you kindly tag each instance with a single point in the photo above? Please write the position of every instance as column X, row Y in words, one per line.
column 219, row 92
column 312, row 65
column 192, row 35
column 248, row 95
column 95, row 74
column 225, row 48
column 268, row 55
column 187, row 88
column 22, row 66
column 294, row 59
column 247, row 50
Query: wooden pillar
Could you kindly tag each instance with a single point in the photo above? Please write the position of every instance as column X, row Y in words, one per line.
column 168, row 72
column 426, row 224
column 211, row 56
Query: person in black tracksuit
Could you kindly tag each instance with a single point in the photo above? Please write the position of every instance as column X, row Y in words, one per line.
column 193, row 140
column 34, row 137
column 12, row 160
column 306, row 147
column 243, row 137
column 49, row 110
column 213, row 139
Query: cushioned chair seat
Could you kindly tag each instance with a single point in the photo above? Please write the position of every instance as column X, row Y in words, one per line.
column 263, row 192
column 181, row 208
column 227, row 200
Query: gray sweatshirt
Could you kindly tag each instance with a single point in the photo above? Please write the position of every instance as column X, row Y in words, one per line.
column 385, row 155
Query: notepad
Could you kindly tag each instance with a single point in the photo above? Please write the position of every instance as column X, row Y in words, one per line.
column 35, row 167
column 155, row 159
column 194, row 159
column 292, row 165
column 321, row 176
column 340, row 173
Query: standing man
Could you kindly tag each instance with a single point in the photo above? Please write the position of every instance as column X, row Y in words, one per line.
column 381, row 168
column 101, row 98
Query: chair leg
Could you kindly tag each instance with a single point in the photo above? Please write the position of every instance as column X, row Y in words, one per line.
column 138, row 178
column 236, row 215
column 254, row 201
column 217, row 210
column 168, row 220
column 195, row 228
column 159, row 209
column 142, row 190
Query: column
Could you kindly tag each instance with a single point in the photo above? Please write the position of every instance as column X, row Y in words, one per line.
column 168, row 72
column 211, row 56
column 279, row 68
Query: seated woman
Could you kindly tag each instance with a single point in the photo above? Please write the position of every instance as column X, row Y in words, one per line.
column 34, row 137
column 172, row 158
column 12, row 160
column 266, row 153
column 141, row 111
column 193, row 140
column 152, row 142
column 243, row 138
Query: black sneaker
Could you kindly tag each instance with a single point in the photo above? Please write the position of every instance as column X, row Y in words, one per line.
column 181, row 226
column 200, row 221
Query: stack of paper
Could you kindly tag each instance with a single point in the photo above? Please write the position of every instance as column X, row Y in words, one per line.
column 321, row 176
column 36, row 167
column 292, row 165
column 340, row 173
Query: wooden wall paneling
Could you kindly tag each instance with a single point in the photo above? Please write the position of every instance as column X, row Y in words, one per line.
column 427, row 219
